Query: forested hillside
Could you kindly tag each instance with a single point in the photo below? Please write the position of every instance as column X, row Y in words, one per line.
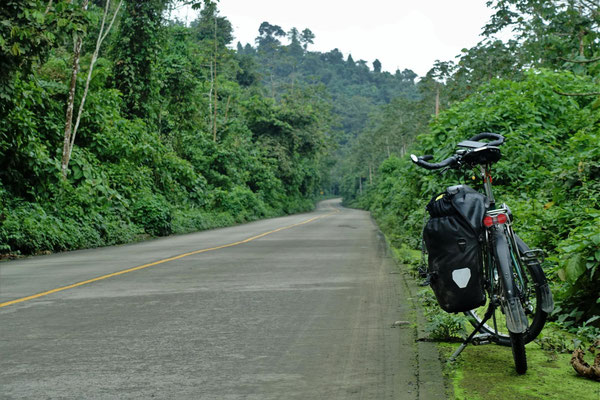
column 355, row 89
column 118, row 123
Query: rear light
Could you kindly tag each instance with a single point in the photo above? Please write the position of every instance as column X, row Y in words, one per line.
column 502, row 218
column 499, row 219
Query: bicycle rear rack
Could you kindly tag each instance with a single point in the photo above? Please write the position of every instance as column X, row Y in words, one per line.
column 533, row 256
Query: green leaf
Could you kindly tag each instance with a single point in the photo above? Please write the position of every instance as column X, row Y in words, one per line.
column 594, row 318
column 574, row 247
column 590, row 265
column 15, row 50
column 575, row 267
column 38, row 16
column 76, row 171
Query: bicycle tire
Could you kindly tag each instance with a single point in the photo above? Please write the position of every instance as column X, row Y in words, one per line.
column 531, row 304
column 517, row 343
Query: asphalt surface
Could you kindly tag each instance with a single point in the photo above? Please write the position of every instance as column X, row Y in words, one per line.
column 316, row 310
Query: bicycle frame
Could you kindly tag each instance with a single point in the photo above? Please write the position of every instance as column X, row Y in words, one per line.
column 487, row 183
column 517, row 259
column 499, row 257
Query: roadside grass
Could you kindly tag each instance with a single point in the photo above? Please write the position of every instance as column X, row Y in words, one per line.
column 487, row 373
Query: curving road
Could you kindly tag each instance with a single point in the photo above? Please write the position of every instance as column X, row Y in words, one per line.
column 298, row 307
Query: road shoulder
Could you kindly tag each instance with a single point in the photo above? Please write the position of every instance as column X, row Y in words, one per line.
column 432, row 383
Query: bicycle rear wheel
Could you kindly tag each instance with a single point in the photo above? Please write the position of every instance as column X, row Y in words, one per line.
column 517, row 342
column 531, row 285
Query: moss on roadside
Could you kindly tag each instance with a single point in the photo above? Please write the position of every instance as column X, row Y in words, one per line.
column 487, row 372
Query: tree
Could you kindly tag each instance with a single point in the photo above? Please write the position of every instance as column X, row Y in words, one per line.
column 550, row 33
column 267, row 40
column 27, row 32
column 211, row 26
column 77, row 43
column 136, row 57
column 294, row 47
column 406, row 75
column 377, row 66
column 307, row 37
column 70, row 134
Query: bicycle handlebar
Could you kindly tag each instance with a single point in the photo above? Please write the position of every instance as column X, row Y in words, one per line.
column 421, row 162
column 451, row 161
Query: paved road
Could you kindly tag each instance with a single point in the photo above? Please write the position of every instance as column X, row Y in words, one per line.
column 304, row 312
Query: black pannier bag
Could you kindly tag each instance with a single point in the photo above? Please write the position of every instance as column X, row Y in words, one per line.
column 452, row 237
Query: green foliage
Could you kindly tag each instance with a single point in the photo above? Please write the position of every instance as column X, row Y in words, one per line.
column 169, row 141
column 550, row 33
column 407, row 256
column 554, row 340
column 354, row 88
column 153, row 213
column 136, row 56
column 441, row 325
column 195, row 219
column 548, row 176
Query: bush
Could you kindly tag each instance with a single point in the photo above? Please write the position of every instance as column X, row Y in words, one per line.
column 191, row 220
column 549, row 175
column 440, row 324
column 153, row 213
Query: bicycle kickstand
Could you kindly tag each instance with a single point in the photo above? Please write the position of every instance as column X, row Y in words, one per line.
column 488, row 315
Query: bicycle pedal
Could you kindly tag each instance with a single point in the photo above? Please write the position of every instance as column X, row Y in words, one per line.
column 483, row 338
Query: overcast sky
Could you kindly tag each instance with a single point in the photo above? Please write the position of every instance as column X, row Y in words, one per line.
column 400, row 33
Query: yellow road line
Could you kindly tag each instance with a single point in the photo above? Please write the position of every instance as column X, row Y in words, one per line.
column 126, row 271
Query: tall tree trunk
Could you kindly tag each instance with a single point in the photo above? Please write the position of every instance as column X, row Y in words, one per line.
column 71, row 132
column 437, row 101
column 70, row 102
column 215, row 108
column 227, row 108
column 387, row 146
column 48, row 7
column 210, row 96
column 215, row 80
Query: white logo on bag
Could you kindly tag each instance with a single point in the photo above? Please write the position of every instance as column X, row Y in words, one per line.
column 461, row 277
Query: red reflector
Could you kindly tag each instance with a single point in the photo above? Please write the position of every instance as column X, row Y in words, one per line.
column 488, row 221
column 501, row 218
